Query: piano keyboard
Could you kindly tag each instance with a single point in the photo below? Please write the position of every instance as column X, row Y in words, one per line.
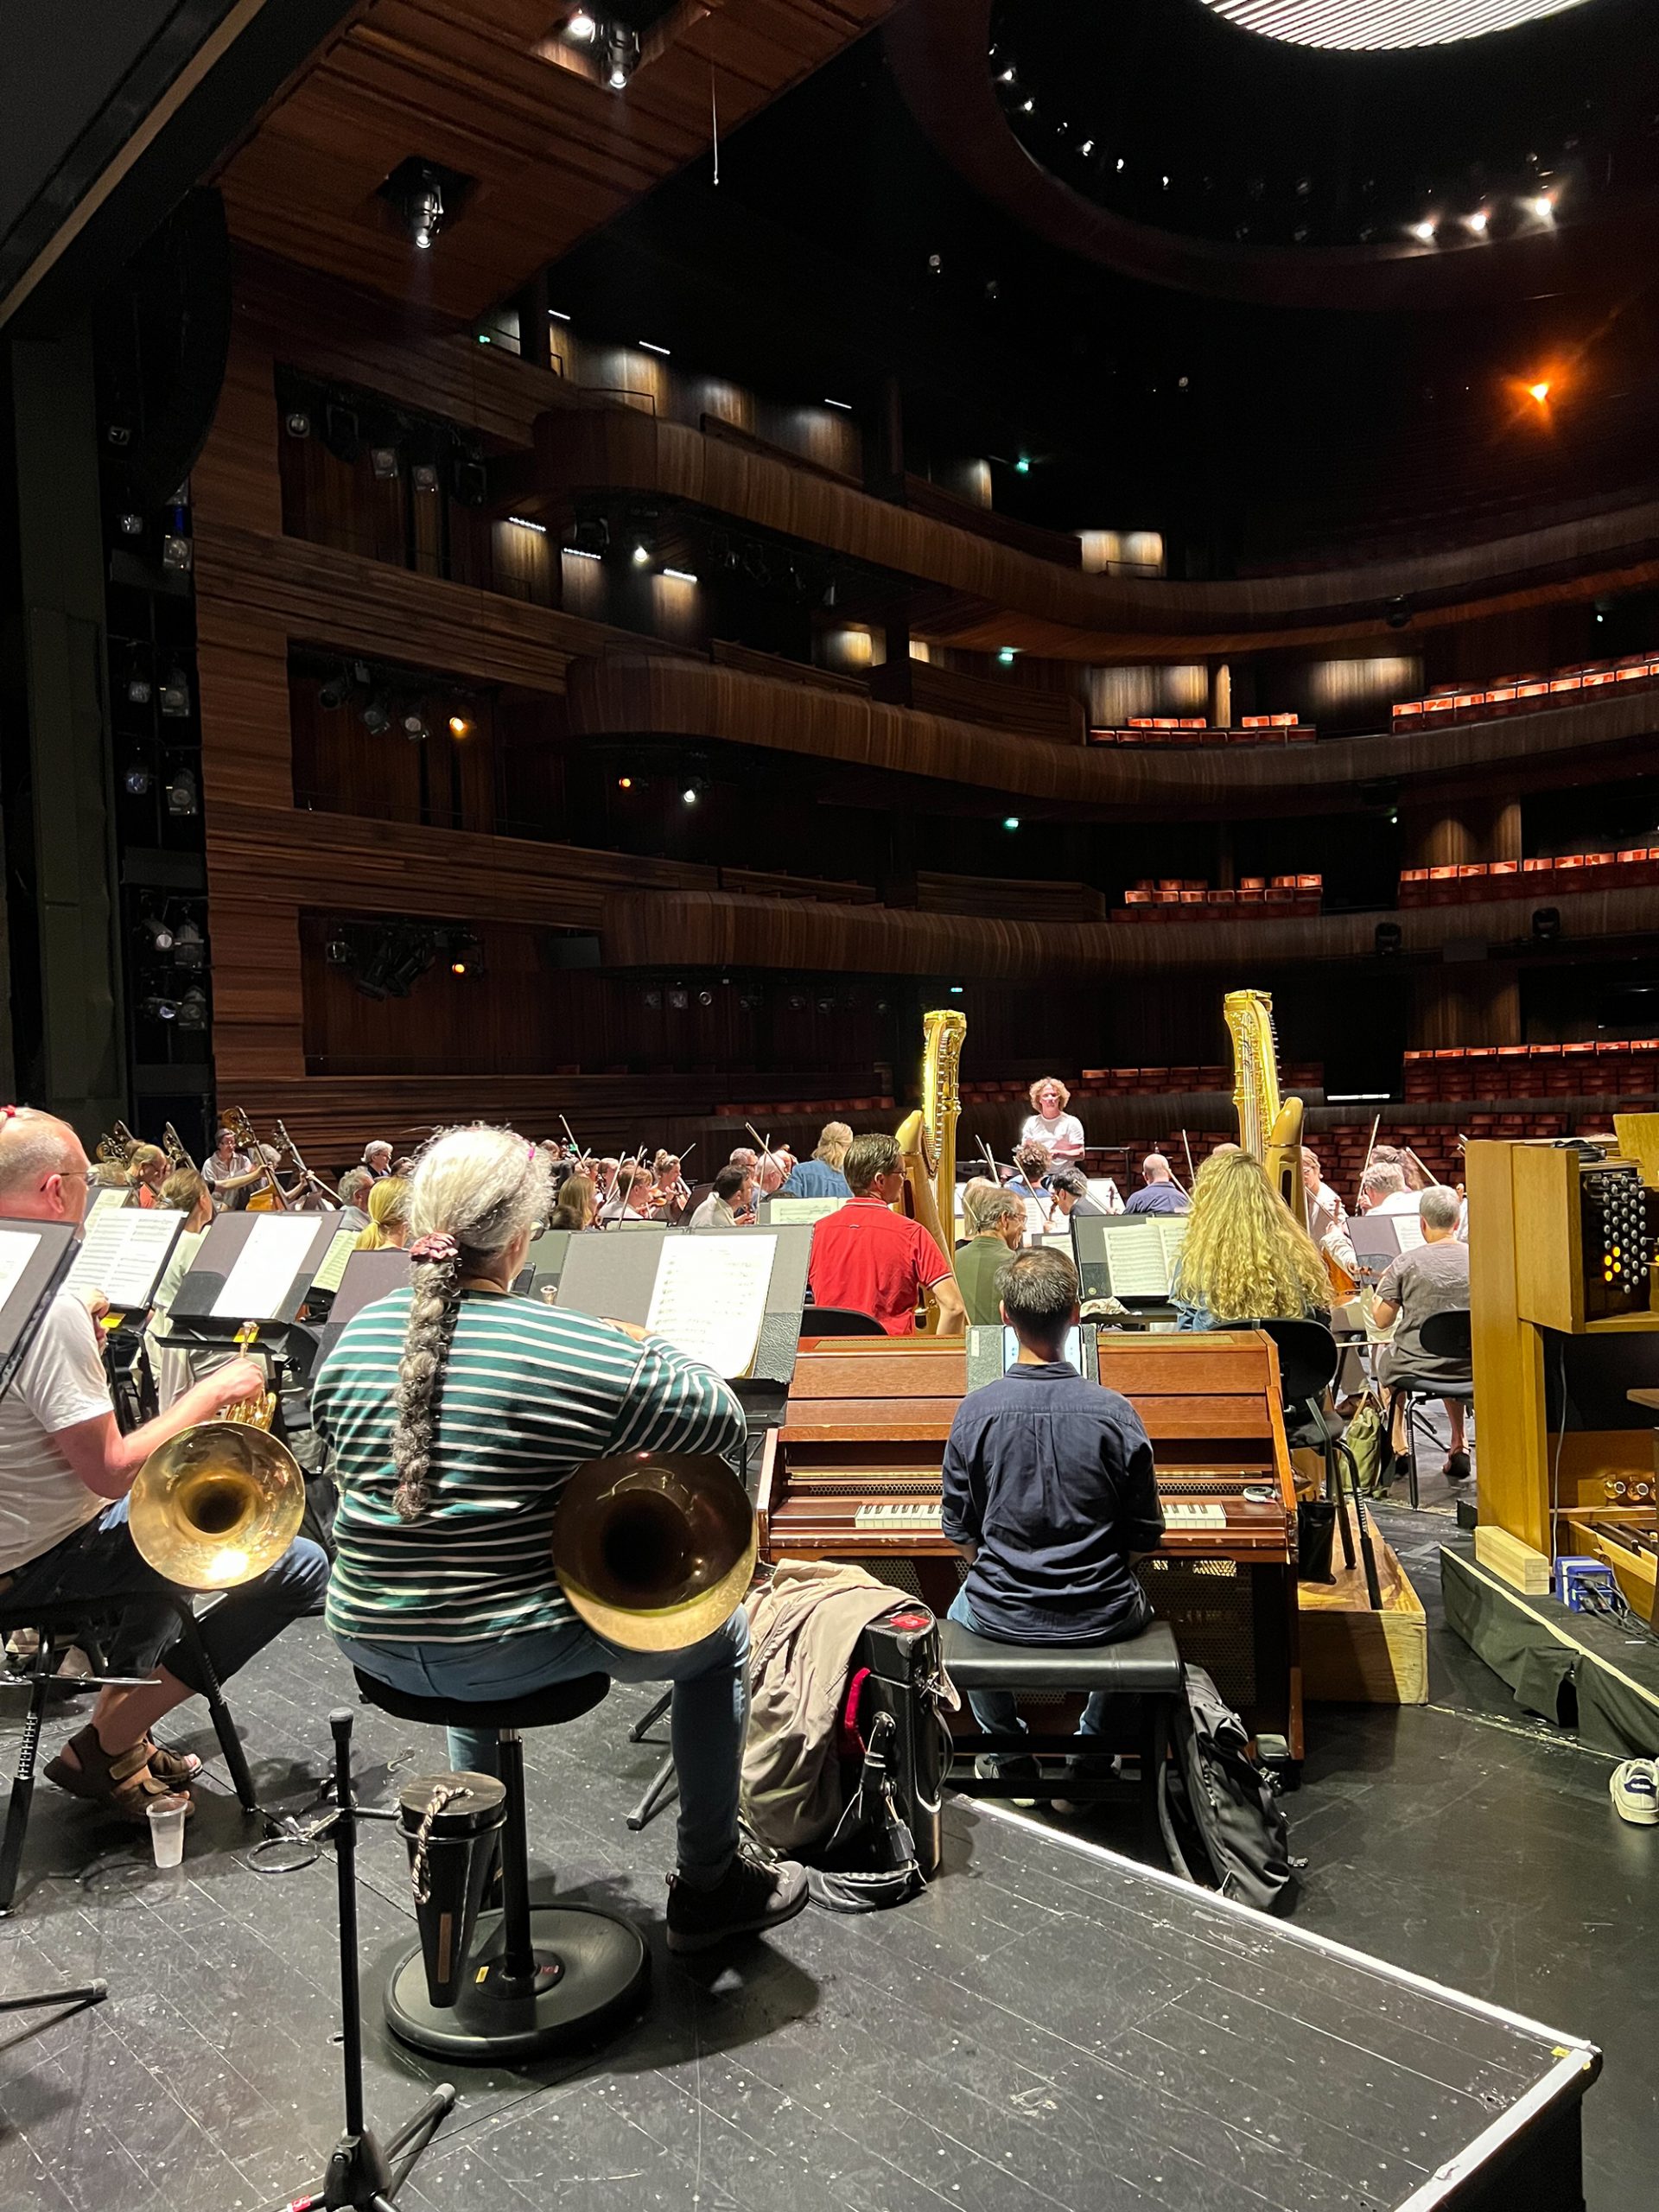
column 1193, row 1513
column 893, row 1514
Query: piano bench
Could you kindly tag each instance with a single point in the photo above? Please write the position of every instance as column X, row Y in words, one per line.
column 1146, row 1667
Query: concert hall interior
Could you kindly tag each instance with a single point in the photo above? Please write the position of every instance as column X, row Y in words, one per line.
column 754, row 753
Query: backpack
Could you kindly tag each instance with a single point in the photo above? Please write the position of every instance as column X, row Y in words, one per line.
column 1219, row 1813
column 1364, row 1445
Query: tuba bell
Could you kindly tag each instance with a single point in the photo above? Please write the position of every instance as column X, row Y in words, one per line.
column 219, row 1503
column 655, row 1549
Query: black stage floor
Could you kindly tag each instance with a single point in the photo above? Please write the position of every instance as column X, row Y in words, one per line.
column 1021, row 2036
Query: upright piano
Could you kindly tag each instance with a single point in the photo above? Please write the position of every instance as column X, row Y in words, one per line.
column 853, row 1474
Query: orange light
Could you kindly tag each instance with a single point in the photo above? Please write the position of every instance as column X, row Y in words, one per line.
column 1539, row 391
column 625, row 783
column 458, row 726
column 457, row 967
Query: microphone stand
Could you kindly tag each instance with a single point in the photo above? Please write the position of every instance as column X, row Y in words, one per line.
column 364, row 2175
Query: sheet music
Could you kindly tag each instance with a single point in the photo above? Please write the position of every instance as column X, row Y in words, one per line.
column 1037, row 1217
column 123, row 1253
column 110, row 1201
column 1172, row 1235
column 1408, row 1228
column 258, row 1286
column 710, row 1300
column 1136, row 1261
column 334, row 1259
column 787, row 1209
column 17, row 1249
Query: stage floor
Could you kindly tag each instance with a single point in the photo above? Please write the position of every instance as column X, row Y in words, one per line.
column 1046, row 2025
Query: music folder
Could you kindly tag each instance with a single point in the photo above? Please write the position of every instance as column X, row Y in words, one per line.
column 1132, row 1258
column 35, row 1257
column 251, row 1266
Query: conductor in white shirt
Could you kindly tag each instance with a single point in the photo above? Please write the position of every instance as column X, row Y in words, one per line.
column 65, row 1472
column 1049, row 1123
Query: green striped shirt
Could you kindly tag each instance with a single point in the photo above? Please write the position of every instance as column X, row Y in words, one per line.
column 529, row 1394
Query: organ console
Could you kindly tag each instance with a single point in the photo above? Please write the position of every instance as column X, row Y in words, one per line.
column 854, row 1473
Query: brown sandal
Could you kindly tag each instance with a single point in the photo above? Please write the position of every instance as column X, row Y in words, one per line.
column 178, row 1769
column 119, row 1780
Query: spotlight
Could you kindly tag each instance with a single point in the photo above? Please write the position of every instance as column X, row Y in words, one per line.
column 1477, row 222
column 1087, row 148
column 182, row 797
column 641, row 555
column 582, row 28
column 1546, row 925
column 1543, row 206
column 1539, row 392
column 176, row 553
column 138, row 690
column 625, row 783
column 690, row 795
column 160, row 1009
column 118, row 435
column 338, row 951
column 383, row 460
column 471, row 483
column 175, row 696
column 680, row 575
column 459, row 726
column 679, row 1000
column 457, row 967
column 705, row 998
column 297, row 423
column 424, row 476
column 189, row 946
column 426, row 214
column 1397, row 613
column 1010, row 822
column 376, row 716
column 645, row 347
column 1022, row 466
column 1424, row 231
column 131, row 525
column 414, row 725
column 621, row 55
column 193, row 1009
column 1388, row 940
column 160, row 937
column 334, row 691
column 135, row 779
column 1006, row 655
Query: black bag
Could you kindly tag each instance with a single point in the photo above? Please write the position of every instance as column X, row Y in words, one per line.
column 1220, row 1815
column 870, row 1861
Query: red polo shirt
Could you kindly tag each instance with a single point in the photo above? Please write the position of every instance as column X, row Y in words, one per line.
column 874, row 1261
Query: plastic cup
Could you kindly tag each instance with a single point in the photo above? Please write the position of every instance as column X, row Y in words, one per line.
column 167, row 1818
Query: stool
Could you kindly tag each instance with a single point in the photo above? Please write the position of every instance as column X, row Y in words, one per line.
column 60, row 1624
column 539, row 1977
column 1148, row 1667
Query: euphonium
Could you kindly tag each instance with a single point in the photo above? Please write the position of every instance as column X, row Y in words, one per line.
column 655, row 1549
column 219, row 1503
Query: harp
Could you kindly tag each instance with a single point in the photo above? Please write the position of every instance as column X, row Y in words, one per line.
column 1268, row 1126
column 927, row 1139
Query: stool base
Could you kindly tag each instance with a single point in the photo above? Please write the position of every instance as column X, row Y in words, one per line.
column 603, row 1970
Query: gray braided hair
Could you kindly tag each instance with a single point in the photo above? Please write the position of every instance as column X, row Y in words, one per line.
column 472, row 1192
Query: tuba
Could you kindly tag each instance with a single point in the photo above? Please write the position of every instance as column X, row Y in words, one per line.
column 655, row 1549
column 1268, row 1126
column 927, row 1139
column 219, row 1503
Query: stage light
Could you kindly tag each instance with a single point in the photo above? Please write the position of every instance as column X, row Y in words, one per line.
column 1424, row 231
column 621, row 56
column 1022, row 466
column 625, row 783
column 376, row 716
column 1007, row 78
column 522, row 522
column 646, row 346
column 176, row 553
column 641, row 555
column 1397, row 614
column 690, row 795
column 458, row 726
column 333, row 694
column 138, row 690
column 426, row 213
column 582, row 28
column 182, row 795
column 1387, row 940
column 383, row 460
column 457, row 967
column 131, row 525
column 135, row 780
column 1547, row 924
column 414, row 726
column 845, row 405
column 160, row 937
column 558, row 314
column 159, row 1008
column 1008, row 655
column 424, row 476
column 338, row 951
column 680, row 575
column 1544, row 207
column 298, row 424
column 956, row 990
column 1539, row 392
column 1087, row 148
column 175, row 696
column 189, row 946
column 1010, row 822
column 1477, row 222
column 1025, row 107
column 193, row 1009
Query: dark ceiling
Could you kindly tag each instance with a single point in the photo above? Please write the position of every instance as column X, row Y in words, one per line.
column 840, row 245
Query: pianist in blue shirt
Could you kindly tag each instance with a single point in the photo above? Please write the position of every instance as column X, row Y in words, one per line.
column 1050, row 1493
column 821, row 1176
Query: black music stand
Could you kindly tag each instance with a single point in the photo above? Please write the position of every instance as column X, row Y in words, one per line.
column 363, row 2174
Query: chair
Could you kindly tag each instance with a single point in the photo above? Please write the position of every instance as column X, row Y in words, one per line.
column 1443, row 1335
column 838, row 1321
column 536, row 1978
column 1146, row 1666
column 60, row 1624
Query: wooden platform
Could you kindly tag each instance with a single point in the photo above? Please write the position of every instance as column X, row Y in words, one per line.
column 1352, row 1655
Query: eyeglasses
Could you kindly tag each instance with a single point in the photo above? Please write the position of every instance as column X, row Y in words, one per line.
column 68, row 1174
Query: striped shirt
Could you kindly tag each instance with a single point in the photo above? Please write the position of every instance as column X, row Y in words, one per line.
column 529, row 1394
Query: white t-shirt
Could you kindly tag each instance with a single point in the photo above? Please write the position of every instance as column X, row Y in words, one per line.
column 62, row 1381
column 1062, row 1135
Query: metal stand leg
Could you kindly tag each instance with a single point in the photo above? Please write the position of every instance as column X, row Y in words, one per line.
column 224, row 1726
column 22, row 1781
column 642, row 1727
column 363, row 2176
column 663, row 1787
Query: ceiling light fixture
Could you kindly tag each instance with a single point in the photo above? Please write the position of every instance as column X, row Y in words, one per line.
column 1539, row 392
column 845, row 405
column 1382, row 24
column 582, row 28
column 649, row 348
column 680, row 575
column 1477, row 222
column 1544, row 207
column 1424, row 231
column 522, row 522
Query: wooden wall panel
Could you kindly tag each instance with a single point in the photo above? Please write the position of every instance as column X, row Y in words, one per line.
column 234, row 480
column 242, row 671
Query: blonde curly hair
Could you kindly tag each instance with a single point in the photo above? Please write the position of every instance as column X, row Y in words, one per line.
column 1246, row 1257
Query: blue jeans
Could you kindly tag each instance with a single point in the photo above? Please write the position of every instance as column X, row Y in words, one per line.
column 101, row 1561
column 709, row 1716
column 998, row 1711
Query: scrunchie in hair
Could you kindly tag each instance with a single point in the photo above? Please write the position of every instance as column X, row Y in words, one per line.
column 437, row 1247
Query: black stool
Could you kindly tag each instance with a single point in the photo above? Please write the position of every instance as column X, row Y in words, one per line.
column 60, row 1624
column 537, row 1977
column 1146, row 1666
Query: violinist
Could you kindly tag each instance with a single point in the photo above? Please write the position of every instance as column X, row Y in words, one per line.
column 671, row 1193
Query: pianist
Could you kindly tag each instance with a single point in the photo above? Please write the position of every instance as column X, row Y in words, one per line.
column 1049, row 1495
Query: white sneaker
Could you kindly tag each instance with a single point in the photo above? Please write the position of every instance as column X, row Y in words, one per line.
column 1634, row 1788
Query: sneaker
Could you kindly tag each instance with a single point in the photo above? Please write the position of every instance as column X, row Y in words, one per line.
column 1634, row 1788
column 1009, row 1766
column 1085, row 1768
column 752, row 1894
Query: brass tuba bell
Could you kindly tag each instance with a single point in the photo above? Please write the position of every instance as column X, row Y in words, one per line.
column 219, row 1503
column 655, row 1549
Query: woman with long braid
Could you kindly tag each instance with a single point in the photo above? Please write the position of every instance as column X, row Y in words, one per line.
column 454, row 1414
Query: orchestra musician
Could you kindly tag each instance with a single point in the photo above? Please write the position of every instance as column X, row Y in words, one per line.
column 671, row 1193
column 1435, row 1278
column 377, row 1158
column 874, row 1261
column 146, row 1172
column 1030, row 1165
column 1069, row 1189
column 1383, row 1189
column 66, row 1469
column 388, row 1226
column 733, row 1195
column 1048, row 1124
column 821, row 1177
column 171, row 1370
column 995, row 1221
column 578, row 1205
column 454, row 1413
column 1246, row 1257
column 354, row 1186
column 229, row 1173
column 631, row 1194
column 1050, row 1495
column 1160, row 1192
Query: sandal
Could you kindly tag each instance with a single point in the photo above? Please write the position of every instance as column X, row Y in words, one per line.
column 119, row 1780
column 177, row 1769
